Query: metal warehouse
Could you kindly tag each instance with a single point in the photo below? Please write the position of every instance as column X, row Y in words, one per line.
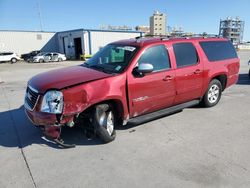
column 25, row 41
column 72, row 43
column 84, row 41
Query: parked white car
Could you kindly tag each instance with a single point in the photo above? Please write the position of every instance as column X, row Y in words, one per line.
column 48, row 57
column 9, row 56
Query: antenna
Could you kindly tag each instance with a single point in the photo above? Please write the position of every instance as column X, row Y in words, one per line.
column 40, row 15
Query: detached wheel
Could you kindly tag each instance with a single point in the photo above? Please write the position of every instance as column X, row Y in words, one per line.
column 104, row 121
column 13, row 60
column 213, row 94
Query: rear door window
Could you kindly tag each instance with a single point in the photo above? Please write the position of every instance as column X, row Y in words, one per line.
column 185, row 54
column 218, row 50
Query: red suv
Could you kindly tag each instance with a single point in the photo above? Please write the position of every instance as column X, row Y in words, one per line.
column 135, row 79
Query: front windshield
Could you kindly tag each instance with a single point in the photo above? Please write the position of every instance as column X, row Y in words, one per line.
column 112, row 58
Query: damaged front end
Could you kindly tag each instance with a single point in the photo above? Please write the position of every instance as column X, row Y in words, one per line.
column 46, row 112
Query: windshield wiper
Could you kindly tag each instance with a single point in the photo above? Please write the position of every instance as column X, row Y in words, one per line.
column 100, row 68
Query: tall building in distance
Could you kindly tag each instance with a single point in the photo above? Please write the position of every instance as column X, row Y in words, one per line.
column 232, row 29
column 158, row 24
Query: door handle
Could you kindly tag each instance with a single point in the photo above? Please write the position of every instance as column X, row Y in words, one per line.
column 168, row 78
column 198, row 71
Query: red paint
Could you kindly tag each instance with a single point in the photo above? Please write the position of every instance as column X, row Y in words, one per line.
column 83, row 87
column 61, row 78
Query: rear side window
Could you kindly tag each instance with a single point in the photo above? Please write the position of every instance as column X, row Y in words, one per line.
column 218, row 50
column 185, row 54
column 157, row 56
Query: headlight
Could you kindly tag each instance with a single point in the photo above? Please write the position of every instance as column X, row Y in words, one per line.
column 52, row 102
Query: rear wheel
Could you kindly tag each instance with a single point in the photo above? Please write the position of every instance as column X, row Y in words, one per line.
column 13, row 60
column 213, row 94
column 104, row 121
column 41, row 61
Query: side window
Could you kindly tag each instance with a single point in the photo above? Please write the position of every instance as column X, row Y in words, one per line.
column 156, row 56
column 7, row 53
column 185, row 54
column 218, row 50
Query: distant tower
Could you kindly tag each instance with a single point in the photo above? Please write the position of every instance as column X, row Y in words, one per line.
column 158, row 24
column 232, row 29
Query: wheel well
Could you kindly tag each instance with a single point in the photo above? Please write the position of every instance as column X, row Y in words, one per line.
column 115, row 103
column 223, row 80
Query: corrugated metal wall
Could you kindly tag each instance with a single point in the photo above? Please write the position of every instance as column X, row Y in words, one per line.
column 25, row 41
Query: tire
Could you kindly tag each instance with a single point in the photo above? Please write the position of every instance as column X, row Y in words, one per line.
column 213, row 94
column 59, row 59
column 249, row 74
column 104, row 121
column 13, row 60
column 41, row 60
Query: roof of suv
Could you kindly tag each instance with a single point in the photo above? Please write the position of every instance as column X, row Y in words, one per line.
column 144, row 41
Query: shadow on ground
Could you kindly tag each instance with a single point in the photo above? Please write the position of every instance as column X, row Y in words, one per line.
column 17, row 131
column 243, row 79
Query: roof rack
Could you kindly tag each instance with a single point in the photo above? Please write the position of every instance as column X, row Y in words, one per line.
column 150, row 36
column 168, row 37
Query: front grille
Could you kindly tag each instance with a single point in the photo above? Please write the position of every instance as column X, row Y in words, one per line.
column 31, row 98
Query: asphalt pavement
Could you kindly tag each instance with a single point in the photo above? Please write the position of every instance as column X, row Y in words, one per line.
column 198, row 147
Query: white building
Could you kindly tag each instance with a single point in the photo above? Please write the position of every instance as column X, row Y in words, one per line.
column 72, row 43
column 158, row 24
column 22, row 42
column 84, row 41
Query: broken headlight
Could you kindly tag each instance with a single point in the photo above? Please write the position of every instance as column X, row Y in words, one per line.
column 52, row 102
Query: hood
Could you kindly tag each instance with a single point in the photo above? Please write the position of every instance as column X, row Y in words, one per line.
column 61, row 78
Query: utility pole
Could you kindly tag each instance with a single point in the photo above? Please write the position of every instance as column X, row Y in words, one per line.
column 40, row 16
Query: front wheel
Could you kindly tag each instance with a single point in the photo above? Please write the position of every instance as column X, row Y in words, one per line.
column 13, row 60
column 104, row 121
column 213, row 94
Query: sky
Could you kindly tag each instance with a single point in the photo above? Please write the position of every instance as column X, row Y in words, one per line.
column 196, row 16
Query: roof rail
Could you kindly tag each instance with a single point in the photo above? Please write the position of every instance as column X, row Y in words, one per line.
column 148, row 36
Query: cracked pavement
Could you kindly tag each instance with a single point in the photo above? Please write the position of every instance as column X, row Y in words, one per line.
column 194, row 148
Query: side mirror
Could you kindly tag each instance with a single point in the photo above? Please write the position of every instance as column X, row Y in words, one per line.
column 145, row 68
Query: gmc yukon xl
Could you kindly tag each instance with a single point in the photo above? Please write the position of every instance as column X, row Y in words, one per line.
column 135, row 79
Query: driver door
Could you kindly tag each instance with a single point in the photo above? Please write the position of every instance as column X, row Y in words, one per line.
column 155, row 90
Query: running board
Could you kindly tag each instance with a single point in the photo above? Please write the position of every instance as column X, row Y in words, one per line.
column 163, row 112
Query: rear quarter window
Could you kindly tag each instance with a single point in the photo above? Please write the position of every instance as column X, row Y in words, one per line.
column 218, row 50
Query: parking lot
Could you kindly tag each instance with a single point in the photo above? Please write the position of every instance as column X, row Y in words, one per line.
column 194, row 148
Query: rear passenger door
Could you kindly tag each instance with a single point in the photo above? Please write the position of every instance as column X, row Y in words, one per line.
column 189, row 72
